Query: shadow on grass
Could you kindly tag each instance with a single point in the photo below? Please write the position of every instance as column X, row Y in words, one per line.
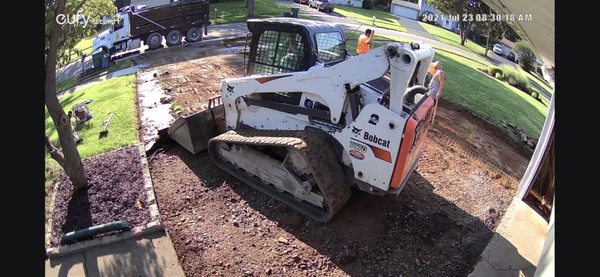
column 489, row 98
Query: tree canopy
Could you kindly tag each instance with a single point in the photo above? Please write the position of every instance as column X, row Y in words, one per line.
column 80, row 17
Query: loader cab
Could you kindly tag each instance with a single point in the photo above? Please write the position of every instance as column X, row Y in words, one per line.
column 281, row 45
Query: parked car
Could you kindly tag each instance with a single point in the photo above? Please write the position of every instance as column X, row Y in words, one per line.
column 303, row 2
column 498, row 49
column 511, row 57
column 321, row 5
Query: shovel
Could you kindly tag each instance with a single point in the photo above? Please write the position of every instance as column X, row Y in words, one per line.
column 105, row 123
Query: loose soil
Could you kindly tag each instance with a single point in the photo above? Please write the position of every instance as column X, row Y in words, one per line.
column 437, row 226
column 115, row 192
column 179, row 81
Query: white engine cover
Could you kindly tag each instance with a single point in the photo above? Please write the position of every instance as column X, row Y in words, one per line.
column 373, row 144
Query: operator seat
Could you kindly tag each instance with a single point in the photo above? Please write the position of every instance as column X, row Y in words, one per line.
column 414, row 94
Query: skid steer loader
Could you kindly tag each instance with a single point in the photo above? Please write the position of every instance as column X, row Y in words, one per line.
column 309, row 122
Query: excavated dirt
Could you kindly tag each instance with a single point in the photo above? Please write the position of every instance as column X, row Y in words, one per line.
column 115, row 192
column 174, row 82
column 437, row 226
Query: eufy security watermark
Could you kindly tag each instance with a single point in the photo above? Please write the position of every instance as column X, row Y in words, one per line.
column 82, row 20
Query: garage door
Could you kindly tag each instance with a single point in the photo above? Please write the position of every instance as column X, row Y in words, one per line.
column 405, row 12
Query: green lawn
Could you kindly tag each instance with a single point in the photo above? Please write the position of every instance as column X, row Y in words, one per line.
column 537, row 80
column 234, row 11
column 84, row 45
column 383, row 19
column 66, row 84
column 451, row 38
column 71, row 82
column 113, row 95
column 489, row 98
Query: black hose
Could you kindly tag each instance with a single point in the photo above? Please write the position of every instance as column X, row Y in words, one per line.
column 89, row 232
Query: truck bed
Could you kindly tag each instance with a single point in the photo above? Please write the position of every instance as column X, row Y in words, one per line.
column 180, row 16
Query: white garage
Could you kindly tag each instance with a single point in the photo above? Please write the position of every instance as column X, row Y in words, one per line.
column 406, row 8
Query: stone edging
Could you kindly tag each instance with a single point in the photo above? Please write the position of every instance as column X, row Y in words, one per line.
column 151, row 198
column 83, row 245
column 49, row 223
column 154, row 225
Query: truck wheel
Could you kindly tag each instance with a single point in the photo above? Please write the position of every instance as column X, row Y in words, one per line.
column 194, row 34
column 174, row 38
column 154, row 40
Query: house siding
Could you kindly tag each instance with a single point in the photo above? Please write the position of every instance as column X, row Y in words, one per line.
column 442, row 19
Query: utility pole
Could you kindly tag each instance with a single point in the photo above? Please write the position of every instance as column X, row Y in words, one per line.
column 487, row 42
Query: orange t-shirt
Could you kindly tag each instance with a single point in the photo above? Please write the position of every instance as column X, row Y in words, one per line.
column 363, row 44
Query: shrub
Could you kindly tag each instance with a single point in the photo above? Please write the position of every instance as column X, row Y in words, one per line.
column 515, row 77
column 367, row 4
column 494, row 70
column 498, row 75
column 534, row 93
column 525, row 54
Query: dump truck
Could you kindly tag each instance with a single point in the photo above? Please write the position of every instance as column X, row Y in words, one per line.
column 149, row 25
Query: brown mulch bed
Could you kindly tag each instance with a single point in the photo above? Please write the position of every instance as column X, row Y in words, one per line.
column 115, row 192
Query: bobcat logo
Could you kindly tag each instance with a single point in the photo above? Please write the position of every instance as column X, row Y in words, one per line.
column 229, row 88
column 356, row 131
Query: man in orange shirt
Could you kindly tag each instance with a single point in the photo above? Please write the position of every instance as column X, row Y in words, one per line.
column 364, row 42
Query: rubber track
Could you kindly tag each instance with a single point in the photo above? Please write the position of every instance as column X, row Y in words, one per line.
column 319, row 154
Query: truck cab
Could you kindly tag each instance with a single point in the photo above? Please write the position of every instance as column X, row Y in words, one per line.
column 116, row 38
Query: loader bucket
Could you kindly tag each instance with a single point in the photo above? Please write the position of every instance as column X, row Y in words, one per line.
column 192, row 132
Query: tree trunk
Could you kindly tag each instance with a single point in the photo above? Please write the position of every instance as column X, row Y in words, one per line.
column 250, row 8
column 464, row 33
column 71, row 161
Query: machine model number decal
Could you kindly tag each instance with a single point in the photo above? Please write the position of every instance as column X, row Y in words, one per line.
column 358, row 147
column 356, row 154
column 380, row 141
